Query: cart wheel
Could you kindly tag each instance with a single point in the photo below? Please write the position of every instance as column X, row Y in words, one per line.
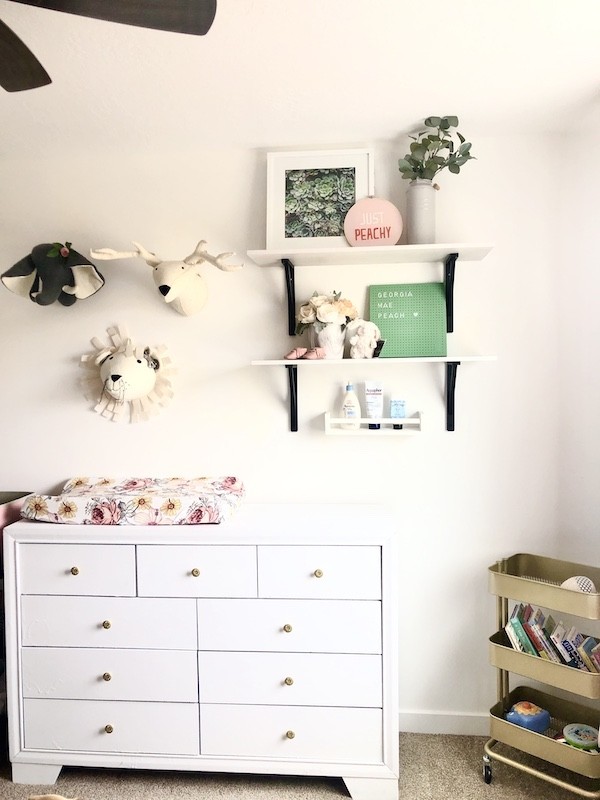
column 487, row 771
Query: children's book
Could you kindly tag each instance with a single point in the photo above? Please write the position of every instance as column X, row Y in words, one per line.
column 585, row 650
column 557, row 635
column 517, row 626
column 571, row 642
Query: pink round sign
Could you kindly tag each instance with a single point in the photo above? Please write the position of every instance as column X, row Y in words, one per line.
column 372, row 221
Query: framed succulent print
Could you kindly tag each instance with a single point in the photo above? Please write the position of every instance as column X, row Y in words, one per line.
column 309, row 194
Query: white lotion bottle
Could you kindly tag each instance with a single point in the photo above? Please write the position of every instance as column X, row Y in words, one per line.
column 350, row 409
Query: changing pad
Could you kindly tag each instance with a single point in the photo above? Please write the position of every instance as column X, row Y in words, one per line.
column 138, row 501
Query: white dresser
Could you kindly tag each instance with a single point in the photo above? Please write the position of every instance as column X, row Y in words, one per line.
column 266, row 644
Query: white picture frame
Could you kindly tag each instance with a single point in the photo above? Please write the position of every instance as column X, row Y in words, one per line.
column 309, row 193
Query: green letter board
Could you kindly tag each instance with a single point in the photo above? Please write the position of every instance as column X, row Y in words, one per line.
column 411, row 318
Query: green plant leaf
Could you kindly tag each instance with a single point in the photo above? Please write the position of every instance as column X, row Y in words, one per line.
column 418, row 150
column 434, row 150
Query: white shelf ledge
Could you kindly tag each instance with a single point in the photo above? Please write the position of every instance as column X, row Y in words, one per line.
column 410, row 426
column 396, row 254
column 369, row 362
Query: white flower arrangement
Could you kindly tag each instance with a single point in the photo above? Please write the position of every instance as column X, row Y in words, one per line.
column 325, row 309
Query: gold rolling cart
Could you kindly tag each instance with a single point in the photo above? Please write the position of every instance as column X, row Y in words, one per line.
column 536, row 580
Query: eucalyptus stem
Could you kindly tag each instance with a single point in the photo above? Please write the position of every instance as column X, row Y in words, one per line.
column 424, row 160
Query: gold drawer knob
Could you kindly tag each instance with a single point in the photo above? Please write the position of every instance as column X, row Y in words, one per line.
column 107, row 676
column 106, row 624
column 290, row 734
column 289, row 681
column 108, row 729
column 287, row 628
column 195, row 572
column 318, row 573
column 74, row 570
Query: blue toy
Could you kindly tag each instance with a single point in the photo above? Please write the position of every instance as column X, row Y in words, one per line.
column 529, row 716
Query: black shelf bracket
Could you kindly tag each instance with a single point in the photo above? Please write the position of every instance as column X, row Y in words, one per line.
column 451, row 370
column 449, row 270
column 292, row 371
column 290, row 287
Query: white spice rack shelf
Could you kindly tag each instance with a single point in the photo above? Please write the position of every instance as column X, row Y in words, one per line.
column 410, row 426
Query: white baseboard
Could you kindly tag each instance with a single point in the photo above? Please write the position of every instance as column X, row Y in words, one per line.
column 437, row 722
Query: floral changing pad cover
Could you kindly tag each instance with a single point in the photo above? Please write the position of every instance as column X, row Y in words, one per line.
column 138, row 501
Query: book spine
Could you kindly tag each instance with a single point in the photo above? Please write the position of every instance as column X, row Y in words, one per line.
column 572, row 650
column 547, row 629
column 513, row 638
column 551, row 653
column 584, row 650
column 556, row 637
column 595, row 656
column 523, row 638
column 535, row 640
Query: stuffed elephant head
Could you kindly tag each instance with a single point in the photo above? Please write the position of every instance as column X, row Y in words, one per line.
column 53, row 272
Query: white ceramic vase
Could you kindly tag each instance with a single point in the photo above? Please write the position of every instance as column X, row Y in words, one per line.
column 420, row 212
column 330, row 338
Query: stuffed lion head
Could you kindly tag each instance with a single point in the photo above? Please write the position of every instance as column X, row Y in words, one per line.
column 127, row 380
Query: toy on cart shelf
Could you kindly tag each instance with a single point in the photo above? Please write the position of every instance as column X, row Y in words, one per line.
column 531, row 716
column 579, row 583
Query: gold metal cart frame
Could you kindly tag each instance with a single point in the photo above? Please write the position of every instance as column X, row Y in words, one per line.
column 536, row 579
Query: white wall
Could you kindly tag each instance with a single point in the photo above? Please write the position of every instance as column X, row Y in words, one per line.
column 579, row 325
column 461, row 499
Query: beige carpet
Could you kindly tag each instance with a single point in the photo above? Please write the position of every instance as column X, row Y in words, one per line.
column 432, row 768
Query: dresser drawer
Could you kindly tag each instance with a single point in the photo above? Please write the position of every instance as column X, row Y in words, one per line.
column 160, row 728
column 346, row 735
column 108, row 622
column 345, row 572
column 72, row 673
column 309, row 626
column 77, row 569
column 305, row 679
column 196, row 571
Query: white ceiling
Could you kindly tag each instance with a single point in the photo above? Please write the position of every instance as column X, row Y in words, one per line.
column 274, row 73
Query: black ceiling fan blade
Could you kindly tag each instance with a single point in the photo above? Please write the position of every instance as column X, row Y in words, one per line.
column 180, row 16
column 19, row 68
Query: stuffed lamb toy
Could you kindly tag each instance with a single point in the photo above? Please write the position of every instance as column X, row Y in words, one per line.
column 362, row 336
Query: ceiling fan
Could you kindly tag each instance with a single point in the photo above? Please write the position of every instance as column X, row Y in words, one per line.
column 20, row 69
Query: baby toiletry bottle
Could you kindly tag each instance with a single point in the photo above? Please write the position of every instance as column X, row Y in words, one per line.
column 350, row 409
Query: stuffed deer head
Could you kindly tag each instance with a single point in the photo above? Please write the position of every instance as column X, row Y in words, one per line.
column 179, row 282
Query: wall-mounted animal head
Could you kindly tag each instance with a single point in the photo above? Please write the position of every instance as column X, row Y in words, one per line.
column 128, row 374
column 124, row 377
column 53, row 272
column 179, row 282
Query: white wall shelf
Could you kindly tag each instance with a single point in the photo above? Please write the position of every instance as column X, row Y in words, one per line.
column 447, row 254
column 410, row 426
column 396, row 254
column 452, row 363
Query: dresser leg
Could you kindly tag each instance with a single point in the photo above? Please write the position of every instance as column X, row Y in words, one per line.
column 372, row 788
column 46, row 774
